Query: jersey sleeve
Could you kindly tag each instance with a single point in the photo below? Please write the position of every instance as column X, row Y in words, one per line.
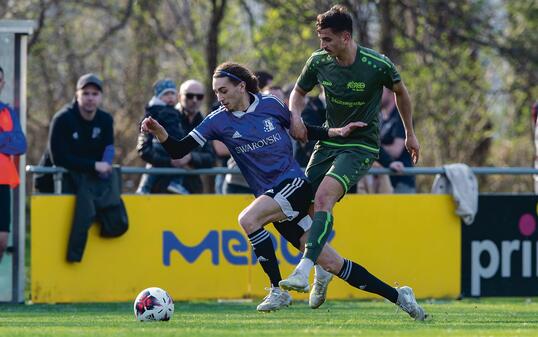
column 391, row 74
column 309, row 76
column 207, row 129
column 279, row 110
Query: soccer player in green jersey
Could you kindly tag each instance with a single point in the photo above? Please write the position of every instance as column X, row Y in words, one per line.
column 353, row 78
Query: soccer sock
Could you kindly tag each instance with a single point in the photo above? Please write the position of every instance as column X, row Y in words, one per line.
column 304, row 266
column 322, row 226
column 263, row 248
column 357, row 276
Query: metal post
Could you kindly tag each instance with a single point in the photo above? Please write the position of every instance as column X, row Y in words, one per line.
column 58, row 182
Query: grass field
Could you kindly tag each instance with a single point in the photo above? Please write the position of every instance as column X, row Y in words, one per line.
column 485, row 317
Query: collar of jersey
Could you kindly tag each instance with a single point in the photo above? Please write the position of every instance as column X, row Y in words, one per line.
column 251, row 107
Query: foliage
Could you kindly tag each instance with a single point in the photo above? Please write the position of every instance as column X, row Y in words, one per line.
column 471, row 66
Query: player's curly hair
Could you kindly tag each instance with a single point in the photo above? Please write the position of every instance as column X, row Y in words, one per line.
column 337, row 18
column 238, row 73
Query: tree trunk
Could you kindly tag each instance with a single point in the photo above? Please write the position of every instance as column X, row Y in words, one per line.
column 217, row 14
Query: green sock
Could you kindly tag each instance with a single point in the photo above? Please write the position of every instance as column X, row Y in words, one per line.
column 319, row 233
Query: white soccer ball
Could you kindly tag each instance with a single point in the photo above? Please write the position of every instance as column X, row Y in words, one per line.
column 153, row 304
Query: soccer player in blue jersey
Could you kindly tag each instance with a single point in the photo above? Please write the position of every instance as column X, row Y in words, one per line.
column 253, row 127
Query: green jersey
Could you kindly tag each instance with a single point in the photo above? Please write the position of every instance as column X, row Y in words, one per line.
column 353, row 93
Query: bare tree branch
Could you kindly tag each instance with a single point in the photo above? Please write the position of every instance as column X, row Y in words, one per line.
column 166, row 37
column 110, row 32
column 43, row 6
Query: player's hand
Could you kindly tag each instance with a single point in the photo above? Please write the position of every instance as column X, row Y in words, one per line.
column 150, row 125
column 298, row 129
column 103, row 167
column 182, row 162
column 412, row 146
column 346, row 130
column 397, row 166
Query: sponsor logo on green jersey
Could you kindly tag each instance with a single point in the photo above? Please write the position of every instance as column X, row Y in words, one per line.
column 356, row 86
column 327, row 83
column 345, row 103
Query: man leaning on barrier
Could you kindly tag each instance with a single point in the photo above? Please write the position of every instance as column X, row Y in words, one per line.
column 81, row 139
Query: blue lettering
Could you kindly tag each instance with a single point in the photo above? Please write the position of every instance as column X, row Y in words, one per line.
column 234, row 248
column 191, row 254
column 240, row 247
column 289, row 257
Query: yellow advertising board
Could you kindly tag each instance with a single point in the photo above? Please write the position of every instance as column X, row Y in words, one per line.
column 193, row 247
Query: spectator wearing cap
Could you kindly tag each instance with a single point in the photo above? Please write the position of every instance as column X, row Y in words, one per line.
column 191, row 97
column 81, row 135
column 161, row 108
column 81, row 139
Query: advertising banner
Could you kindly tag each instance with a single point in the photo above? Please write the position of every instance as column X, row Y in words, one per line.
column 193, row 247
column 500, row 249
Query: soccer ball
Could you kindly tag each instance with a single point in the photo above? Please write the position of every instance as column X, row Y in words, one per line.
column 153, row 304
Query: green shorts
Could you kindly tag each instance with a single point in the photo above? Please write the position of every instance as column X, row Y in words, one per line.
column 345, row 164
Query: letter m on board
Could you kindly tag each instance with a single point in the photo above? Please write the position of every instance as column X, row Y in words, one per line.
column 190, row 253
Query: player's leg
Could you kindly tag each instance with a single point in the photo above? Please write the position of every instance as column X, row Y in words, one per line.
column 283, row 202
column 294, row 232
column 252, row 219
column 260, row 212
column 348, row 165
column 358, row 277
column 320, row 163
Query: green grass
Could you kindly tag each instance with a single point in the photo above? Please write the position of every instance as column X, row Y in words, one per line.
column 485, row 317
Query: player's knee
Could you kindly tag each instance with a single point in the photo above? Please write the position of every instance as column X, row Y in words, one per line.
column 323, row 202
column 248, row 223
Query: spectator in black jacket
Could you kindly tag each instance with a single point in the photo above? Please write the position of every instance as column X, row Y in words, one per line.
column 81, row 139
column 191, row 96
column 161, row 108
column 81, row 136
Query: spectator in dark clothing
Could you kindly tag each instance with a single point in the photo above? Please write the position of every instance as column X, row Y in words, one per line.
column 81, row 136
column 393, row 152
column 191, row 95
column 161, row 108
column 81, row 139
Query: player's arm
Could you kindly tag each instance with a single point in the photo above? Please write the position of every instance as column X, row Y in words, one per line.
column 175, row 148
column 403, row 101
column 297, row 102
column 297, row 105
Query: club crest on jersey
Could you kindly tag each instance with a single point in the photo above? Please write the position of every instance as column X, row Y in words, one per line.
column 268, row 125
column 96, row 132
column 356, row 86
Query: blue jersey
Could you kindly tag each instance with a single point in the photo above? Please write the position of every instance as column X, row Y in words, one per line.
column 257, row 139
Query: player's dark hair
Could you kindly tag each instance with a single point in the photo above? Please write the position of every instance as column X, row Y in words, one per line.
column 237, row 73
column 337, row 18
column 1, row 70
column 263, row 78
